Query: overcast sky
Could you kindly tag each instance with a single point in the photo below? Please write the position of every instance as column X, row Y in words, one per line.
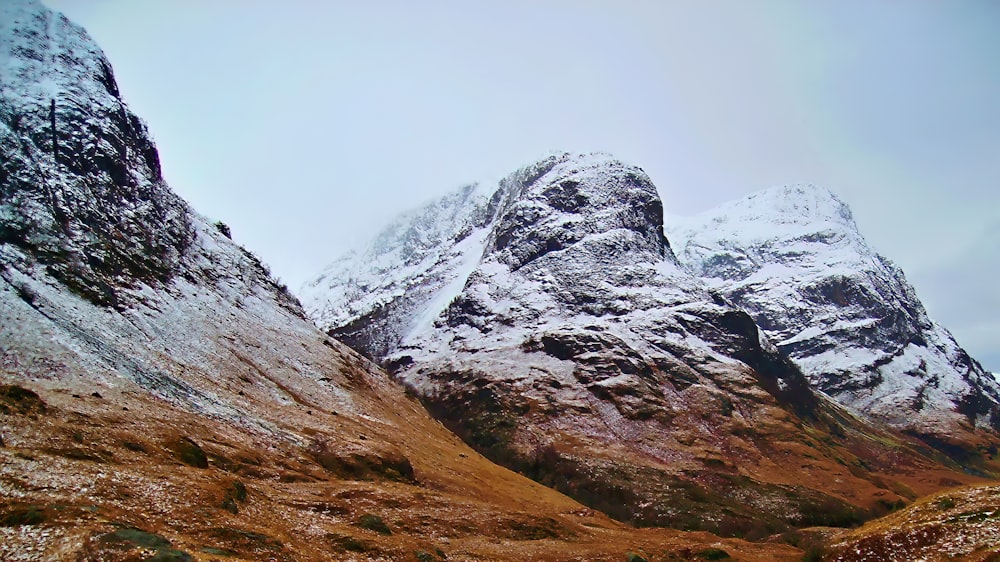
column 307, row 125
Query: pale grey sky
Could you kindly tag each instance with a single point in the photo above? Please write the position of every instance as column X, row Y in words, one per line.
column 306, row 125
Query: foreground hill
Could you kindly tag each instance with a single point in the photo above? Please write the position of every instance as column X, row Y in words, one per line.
column 162, row 398
column 958, row 524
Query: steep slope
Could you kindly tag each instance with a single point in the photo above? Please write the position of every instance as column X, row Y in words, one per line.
column 794, row 259
column 578, row 351
column 162, row 398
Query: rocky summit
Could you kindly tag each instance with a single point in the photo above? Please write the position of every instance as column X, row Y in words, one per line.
column 793, row 258
column 548, row 322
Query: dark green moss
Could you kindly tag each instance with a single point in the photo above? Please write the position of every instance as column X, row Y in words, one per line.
column 349, row 544
column 23, row 516
column 945, row 503
column 190, row 453
column 135, row 447
column 132, row 537
column 374, row 523
column 170, row 555
column 219, row 551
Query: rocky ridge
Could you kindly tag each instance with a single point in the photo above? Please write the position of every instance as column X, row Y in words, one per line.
column 78, row 197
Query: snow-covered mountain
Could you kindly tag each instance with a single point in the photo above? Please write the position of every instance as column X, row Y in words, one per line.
column 79, row 199
column 103, row 267
column 551, row 326
column 106, row 263
column 793, row 258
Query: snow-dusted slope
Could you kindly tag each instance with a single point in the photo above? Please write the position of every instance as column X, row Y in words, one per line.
column 412, row 269
column 793, row 258
column 108, row 279
column 571, row 345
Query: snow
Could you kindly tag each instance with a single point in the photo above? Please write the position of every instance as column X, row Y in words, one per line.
column 469, row 252
column 407, row 253
column 812, row 332
column 794, row 259
column 777, row 253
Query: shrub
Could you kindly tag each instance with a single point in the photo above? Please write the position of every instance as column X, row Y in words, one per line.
column 134, row 447
column 224, row 229
column 190, row 453
column 813, row 554
column 17, row 399
column 713, row 554
column 349, row 543
column 236, row 492
column 31, row 515
column 945, row 503
column 374, row 523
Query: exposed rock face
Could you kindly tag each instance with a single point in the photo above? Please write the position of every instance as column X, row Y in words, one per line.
column 793, row 258
column 571, row 344
column 79, row 199
column 98, row 220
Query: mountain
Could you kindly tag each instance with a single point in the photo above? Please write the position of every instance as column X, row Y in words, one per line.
column 162, row 398
column 551, row 326
column 793, row 258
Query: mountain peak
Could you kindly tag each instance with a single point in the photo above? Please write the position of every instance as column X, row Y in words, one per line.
column 567, row 199
column 555, row 323
column 45, row 56
column 772, row 211
column 562, row 208
column 806, row 200
column 793, row 258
